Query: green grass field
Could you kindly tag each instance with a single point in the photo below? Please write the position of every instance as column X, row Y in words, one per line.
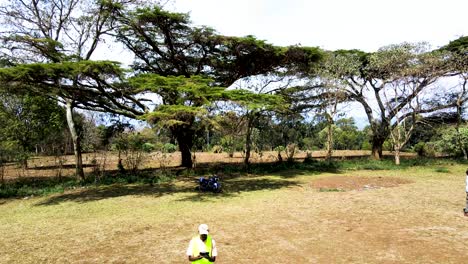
column 282, row 217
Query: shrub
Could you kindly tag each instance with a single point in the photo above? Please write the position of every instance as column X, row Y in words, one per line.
column 430, row 150
column 169, row 148
column 290, row 151
column 442, row 170
column 425, row 149
column 331, row 190
column 217, row 149
column 366, row 145
column 419, row 148
column 279, row 149
column 148, row 147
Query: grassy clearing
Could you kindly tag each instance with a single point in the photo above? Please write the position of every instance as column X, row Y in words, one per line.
column 260, row 218
column 43, row 186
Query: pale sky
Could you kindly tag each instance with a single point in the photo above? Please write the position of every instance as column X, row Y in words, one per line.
column 333, row 24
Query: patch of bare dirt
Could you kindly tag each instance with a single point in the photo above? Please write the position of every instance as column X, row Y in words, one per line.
column 348, row 183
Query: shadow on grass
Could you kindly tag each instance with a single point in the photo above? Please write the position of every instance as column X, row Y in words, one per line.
column 234, row 187
column 91, row 194
column 156, row 183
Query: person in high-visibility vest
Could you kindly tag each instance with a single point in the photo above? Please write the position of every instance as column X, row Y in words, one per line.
column 202, row 247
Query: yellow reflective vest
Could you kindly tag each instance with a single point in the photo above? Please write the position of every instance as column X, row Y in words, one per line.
column 196, row 250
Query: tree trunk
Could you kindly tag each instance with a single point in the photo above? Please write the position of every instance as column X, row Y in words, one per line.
column 329, row 141
column 184, row 138
column 25, row 163
column 397, row 155
column 207, row 139
column 75, row 140
column 377, row 146
column 24, row 157
column 457, row 128
column 248, row 146
column 248, row 141
column 186, row 154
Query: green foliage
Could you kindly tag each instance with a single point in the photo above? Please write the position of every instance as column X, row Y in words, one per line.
column 290, row 151
column 103, row 90
column 366, row 145
column 148, row 147
column 387, row 145
column 446, row 140
column 132, row 145
column 217, row 149
column 177, row 58
column 35, row 187
column 419, row 148
column 331, row 190
column 169, row 148
column 28, row 187
column 9, row 150
column 229, row 145
column 239, row 57
column 442, row 170
column 430, row 149
column 457, row 45
column 29, row 122
column 370, row 164
column 346, row 135
column 309, row 143
column 303, row 60
column 43, row 73
column 279, row 149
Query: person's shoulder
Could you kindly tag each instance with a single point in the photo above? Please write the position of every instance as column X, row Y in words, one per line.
column 193, row 239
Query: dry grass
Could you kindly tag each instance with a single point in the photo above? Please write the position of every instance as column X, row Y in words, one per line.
column 46, row 166
column 268, row 219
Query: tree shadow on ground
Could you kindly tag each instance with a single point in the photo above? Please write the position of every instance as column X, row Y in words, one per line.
column 235, row 186
column 91, row 194
column 232, row 186
column 157, row 183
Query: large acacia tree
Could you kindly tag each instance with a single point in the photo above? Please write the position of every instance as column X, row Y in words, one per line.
column 165, row 44
column 388, row 83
